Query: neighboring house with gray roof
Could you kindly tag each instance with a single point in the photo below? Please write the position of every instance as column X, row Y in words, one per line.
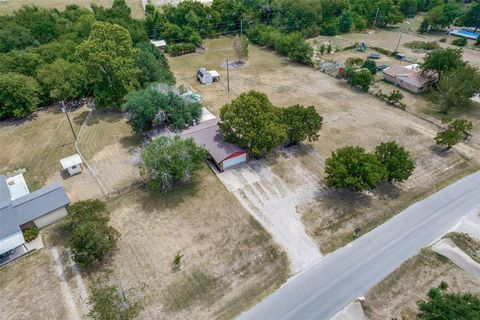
column 40, row 208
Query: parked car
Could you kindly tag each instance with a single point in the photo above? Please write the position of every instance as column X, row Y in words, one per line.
column 382, row 67
column 400, row 56
column 374, row 56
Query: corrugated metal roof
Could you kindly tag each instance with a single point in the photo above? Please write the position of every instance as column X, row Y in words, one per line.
column 209, row 135
column 71, row 161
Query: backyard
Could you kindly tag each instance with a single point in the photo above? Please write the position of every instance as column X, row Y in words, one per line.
column 350, row 118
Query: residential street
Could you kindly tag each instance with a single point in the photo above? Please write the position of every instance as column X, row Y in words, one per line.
column 329, row 285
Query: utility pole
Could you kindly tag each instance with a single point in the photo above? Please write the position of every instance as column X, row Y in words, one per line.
column 228, row 78
column 376, row 16
column 64, row 109
column 241, row 28
column 399, row 39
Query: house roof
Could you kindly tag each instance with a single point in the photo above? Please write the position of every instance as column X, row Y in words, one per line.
column 409, row 74
column 14, row 213
column 209, row 135
column 71, row 161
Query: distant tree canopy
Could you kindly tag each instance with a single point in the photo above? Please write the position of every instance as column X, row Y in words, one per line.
column 19, row 95
column 440, row 61
column 170, row 161
column 68, row 60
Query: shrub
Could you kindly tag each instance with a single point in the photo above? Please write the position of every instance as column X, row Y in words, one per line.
column 425, row 45
column 30, row 233
column 460, row 42
column 443, row 40
column 354, row 61
column 178, row 49
column 478, row 42
column 384, row 51
column 370, row 65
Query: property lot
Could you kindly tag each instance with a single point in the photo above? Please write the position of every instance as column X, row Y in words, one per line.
column 229, row 261
column 350, row 118
column 30, row 289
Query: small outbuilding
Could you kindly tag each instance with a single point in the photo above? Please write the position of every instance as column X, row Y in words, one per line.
column 224, row 154
column 72, row 165
column 159, row 44
column 207, row 76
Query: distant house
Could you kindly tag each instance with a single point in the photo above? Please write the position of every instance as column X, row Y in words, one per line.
column 159, row 44
column 72, row 164
column 409, row 77
column 20, row 209
column 207, row 76
column 224, row 154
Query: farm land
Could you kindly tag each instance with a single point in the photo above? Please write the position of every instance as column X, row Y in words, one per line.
column 219, row 223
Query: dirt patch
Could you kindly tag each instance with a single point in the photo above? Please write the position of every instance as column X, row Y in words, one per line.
column 29, row 289
column 228, row 258
column 397, row 294
column 447, row 248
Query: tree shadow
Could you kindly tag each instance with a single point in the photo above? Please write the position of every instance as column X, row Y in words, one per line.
column 344, row 202
column 387, row 191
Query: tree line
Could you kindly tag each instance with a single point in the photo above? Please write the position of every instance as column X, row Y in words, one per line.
column 47, row 55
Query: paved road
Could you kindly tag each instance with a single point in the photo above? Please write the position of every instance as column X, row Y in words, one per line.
column 329, row 285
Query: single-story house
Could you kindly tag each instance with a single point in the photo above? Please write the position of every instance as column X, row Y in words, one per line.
column 159, row 44
column 409, row 77
column 207, row 76
column 72, row 164
column 223, row 154
column 19, row 209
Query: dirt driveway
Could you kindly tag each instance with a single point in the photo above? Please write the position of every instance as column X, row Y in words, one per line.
column 273, row 202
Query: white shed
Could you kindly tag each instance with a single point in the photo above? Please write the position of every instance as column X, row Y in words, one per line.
column 207, row 76
column 160, row 44
column 72, row 164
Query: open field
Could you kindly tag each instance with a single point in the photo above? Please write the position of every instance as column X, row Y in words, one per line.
column 29, row 289
column 229, row 261
column 350, row 118
column 38, row 144
column 8, row 6
column 397, row 294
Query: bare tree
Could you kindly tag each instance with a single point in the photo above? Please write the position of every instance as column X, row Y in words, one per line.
column 240, row 47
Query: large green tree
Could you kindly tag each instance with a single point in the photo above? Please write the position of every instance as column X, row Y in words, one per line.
column 440, row 61
column 170, row 161
column 88, row 234
column 303, row 123
column 19, row 95
column 456, row 88
column 472, row 17
column 110, row 61
column 154, row 65
column 396, row 160
column 354, row 169
column 62, row 80
column 251, row 121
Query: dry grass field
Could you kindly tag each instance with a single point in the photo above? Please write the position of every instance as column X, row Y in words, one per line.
column 111, row 149
column 351, row 117
column 8, row 6
column 229, row 261
column 38, row 143
column 395, row 296
column 29, row 289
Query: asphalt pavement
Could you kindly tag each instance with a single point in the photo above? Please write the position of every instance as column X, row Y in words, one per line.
column 340, row 277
